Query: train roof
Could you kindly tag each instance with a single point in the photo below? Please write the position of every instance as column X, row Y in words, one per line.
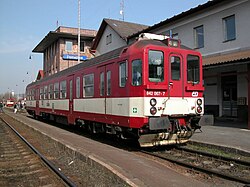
column 103, row 58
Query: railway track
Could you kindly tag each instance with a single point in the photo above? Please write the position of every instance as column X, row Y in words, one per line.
column 22, row 165
column 224, row 167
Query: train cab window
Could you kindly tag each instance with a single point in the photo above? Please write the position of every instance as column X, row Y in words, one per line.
column 108, row 83
column 175, row 68
column 78, row 90
column 41, row 93
column 136, row 72
column 88, row 85
column 122, row 74
column 63, row 90
column 50, row 91
column 102, row 84
column 193, row 69
column 56, row 90
column 155, row 66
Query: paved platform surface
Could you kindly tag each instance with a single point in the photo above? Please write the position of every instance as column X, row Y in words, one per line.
column 227, row 134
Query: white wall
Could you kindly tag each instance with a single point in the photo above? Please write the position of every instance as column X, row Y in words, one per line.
column 213, row 28
column 117, row 42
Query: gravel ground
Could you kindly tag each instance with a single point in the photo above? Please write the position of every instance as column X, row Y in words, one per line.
column 81, row 171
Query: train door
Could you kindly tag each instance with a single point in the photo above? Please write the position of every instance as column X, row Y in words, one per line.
column 71, row 103
column 175, row 78
column 105, row 88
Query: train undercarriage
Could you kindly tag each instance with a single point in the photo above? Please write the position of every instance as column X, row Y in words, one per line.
column 159, row 131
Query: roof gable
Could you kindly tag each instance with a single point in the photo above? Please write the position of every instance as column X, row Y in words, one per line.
column 122, row 28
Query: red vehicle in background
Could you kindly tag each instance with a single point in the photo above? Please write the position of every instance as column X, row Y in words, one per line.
column 10, row 102
column 151, row 90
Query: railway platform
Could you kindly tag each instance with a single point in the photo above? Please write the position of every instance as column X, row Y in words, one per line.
column 225, row 133
column 137, row 170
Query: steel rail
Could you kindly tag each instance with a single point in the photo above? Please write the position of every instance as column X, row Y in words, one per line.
column 45, row 160
column 237, row 161
column 210, row 171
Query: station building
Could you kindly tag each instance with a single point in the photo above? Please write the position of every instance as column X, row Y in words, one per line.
column 60, row 48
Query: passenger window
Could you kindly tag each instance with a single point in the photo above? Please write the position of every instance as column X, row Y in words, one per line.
column 45, row 92
column 56, row 90
column 175, row 68
column 136, row 72
column 108, row 83
column 88, row 85
column 102, row 84
column 63, row 89
column 122, row 74
column 50, row 91
column 78, row 87
column 41, row 93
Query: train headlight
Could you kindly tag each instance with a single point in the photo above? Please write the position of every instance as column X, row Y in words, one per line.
column 199, row 109
column 199, row 101
column 153, row 102
column 153, row 110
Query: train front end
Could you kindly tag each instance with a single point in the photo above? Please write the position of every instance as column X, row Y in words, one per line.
column 173, row 94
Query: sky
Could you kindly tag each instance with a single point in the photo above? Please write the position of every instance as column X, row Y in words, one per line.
column 24, row 23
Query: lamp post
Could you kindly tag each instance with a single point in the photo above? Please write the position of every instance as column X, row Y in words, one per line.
column 79, row 31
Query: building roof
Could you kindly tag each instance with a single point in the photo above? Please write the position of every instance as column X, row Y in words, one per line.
column 180, row 16
column 63, row 32
column 40, row 75
column 122, row 28
column 242, row 56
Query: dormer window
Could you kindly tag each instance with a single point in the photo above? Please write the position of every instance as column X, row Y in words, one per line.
column 108, row 39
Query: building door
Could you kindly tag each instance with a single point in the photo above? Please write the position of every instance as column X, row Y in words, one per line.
column 229, row 95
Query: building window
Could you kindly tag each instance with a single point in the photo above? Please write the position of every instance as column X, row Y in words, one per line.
column 56, row 90
column 229, row 28
column 136, row 72
column 88, row 85
column 78, row 87
column 101, row 84
column 199, row 37
column 175, row 68
column 122, row 74
column 155, row 66
column 108, row 39
column 68, row 46
column 63, row 90
column 82, row 45
column 108, row 83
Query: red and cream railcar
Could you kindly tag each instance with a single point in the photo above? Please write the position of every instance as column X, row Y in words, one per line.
column 151, row 90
